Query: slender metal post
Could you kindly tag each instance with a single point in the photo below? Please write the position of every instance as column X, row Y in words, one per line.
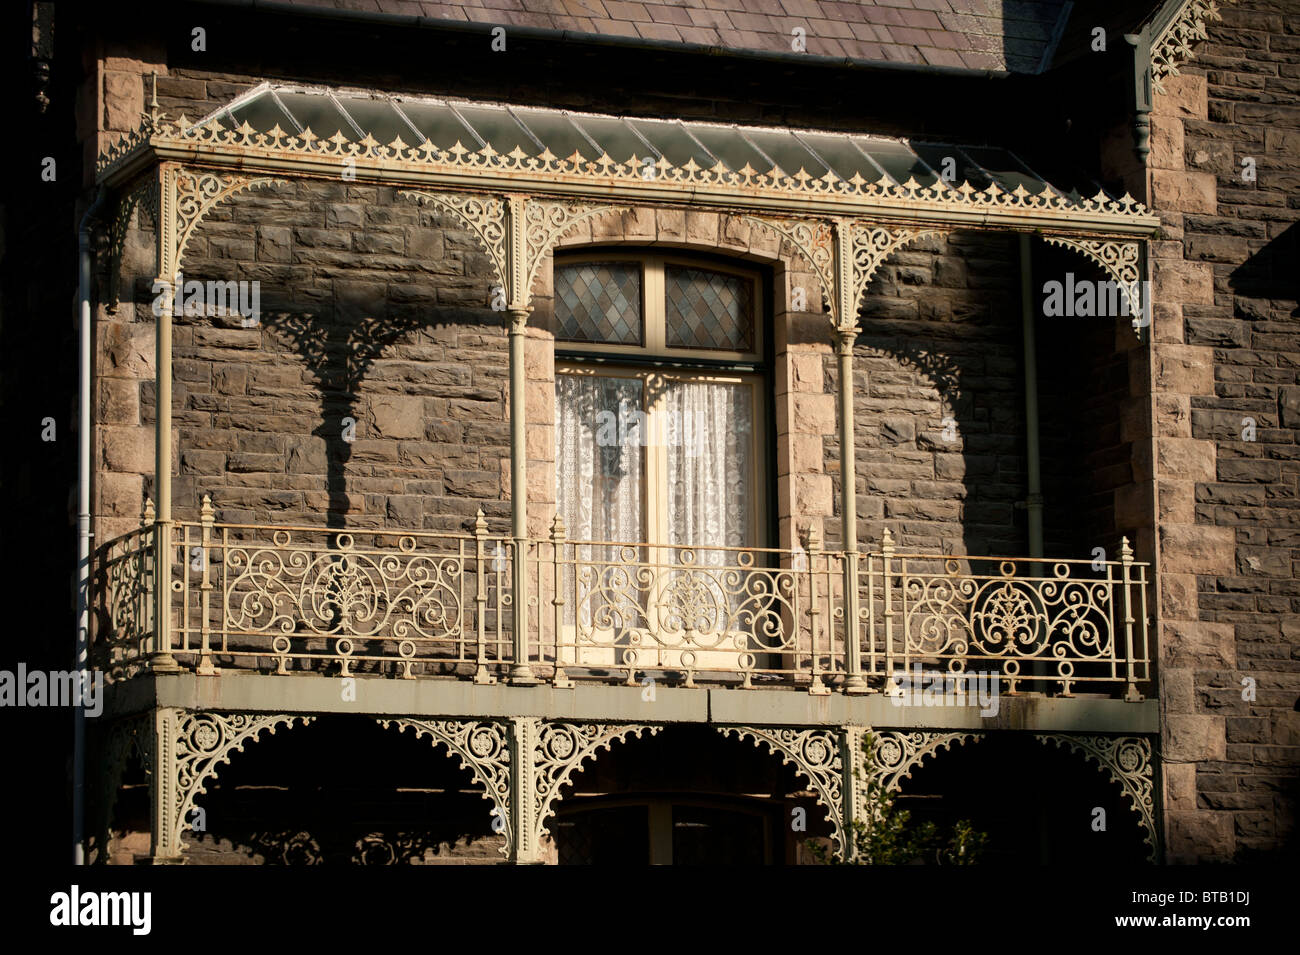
column 205, row 591
column 163, row 659
column 853, row 683
column 560, row 678
column 1126, row 560
column 524, row 736
column 165, row 845
column 887, row 597
column 481, row 674
column 521, row 672
column 84, row 374
column 1033, row 463
column 816, row 687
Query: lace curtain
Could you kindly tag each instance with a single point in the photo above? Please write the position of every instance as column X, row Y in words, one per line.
column 600, row 436
column 598, row 457
column 710, row 467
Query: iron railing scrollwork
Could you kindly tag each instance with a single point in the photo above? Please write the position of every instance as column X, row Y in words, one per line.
column 418, row 604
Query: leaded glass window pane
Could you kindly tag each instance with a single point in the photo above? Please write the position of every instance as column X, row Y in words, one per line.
column 599, row 302
column 708, row 309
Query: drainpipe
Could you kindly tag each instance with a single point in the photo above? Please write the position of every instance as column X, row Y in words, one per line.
column 1034, row 501
column 83, row 527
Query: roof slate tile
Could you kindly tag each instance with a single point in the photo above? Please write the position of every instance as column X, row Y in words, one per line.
column 658, row 31
column 941, row 57
column 996, row 34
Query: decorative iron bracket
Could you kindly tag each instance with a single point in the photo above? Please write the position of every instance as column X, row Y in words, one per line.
column 1128, row 760
column 187, row 750
column 1122, row 261
column 816, row 755
column 483, row 748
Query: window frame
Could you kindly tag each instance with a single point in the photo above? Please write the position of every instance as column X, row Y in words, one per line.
column 654, row 308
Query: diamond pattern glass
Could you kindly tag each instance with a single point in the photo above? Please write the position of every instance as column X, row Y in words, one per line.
column 599, row 302
column 708, row 309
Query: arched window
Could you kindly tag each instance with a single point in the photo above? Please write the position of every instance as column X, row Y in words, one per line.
column 660, row 401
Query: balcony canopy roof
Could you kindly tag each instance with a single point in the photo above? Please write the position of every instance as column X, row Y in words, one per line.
column 502, row 148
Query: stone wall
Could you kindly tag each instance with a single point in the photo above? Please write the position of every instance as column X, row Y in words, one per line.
column 1226, row 357
column 373, row 309
column 939, row 405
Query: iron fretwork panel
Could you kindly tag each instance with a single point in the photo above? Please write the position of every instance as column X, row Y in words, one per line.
column 1130, row 762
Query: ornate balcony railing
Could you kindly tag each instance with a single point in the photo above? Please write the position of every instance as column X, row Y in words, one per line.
column 281, row 599
column 124, row 587
column 1036, row 623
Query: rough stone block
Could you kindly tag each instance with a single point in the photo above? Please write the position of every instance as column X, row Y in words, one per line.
column 1166, row 143
column 123, row 100
column 1200, row 836
column 1184, row 370
column 1188, row 283
column 813, row 414
column 1185, row 459
column 120, row 495
column 670, row 225
column 814, row 495
column 1184, row 97
column 1184, row 191
column 127, row 449
column 396, row 416
column 1198, row 645
column 119, row 401
column 1197, row 549
column 1194, row 738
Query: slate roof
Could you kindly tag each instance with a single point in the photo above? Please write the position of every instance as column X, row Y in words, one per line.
column 1017, row 36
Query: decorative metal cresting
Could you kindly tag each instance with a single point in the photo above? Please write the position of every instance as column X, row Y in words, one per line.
column 484, row 748
column 604, row 178
column 1129, row 761
column 187, row 750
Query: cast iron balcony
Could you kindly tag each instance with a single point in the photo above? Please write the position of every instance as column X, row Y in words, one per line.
column 284, row 599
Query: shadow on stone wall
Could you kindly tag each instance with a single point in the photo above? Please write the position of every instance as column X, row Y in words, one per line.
column 339, row 345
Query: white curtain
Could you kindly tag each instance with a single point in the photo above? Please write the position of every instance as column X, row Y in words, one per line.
column 598, row 457
column 601, row 430
column 710, row 466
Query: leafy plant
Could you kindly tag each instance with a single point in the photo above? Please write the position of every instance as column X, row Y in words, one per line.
column 886, row 836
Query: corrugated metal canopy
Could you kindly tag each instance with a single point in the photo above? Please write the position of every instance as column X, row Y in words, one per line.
column 451, row 124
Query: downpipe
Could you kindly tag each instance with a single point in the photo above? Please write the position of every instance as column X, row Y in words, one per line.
column 84, row 262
